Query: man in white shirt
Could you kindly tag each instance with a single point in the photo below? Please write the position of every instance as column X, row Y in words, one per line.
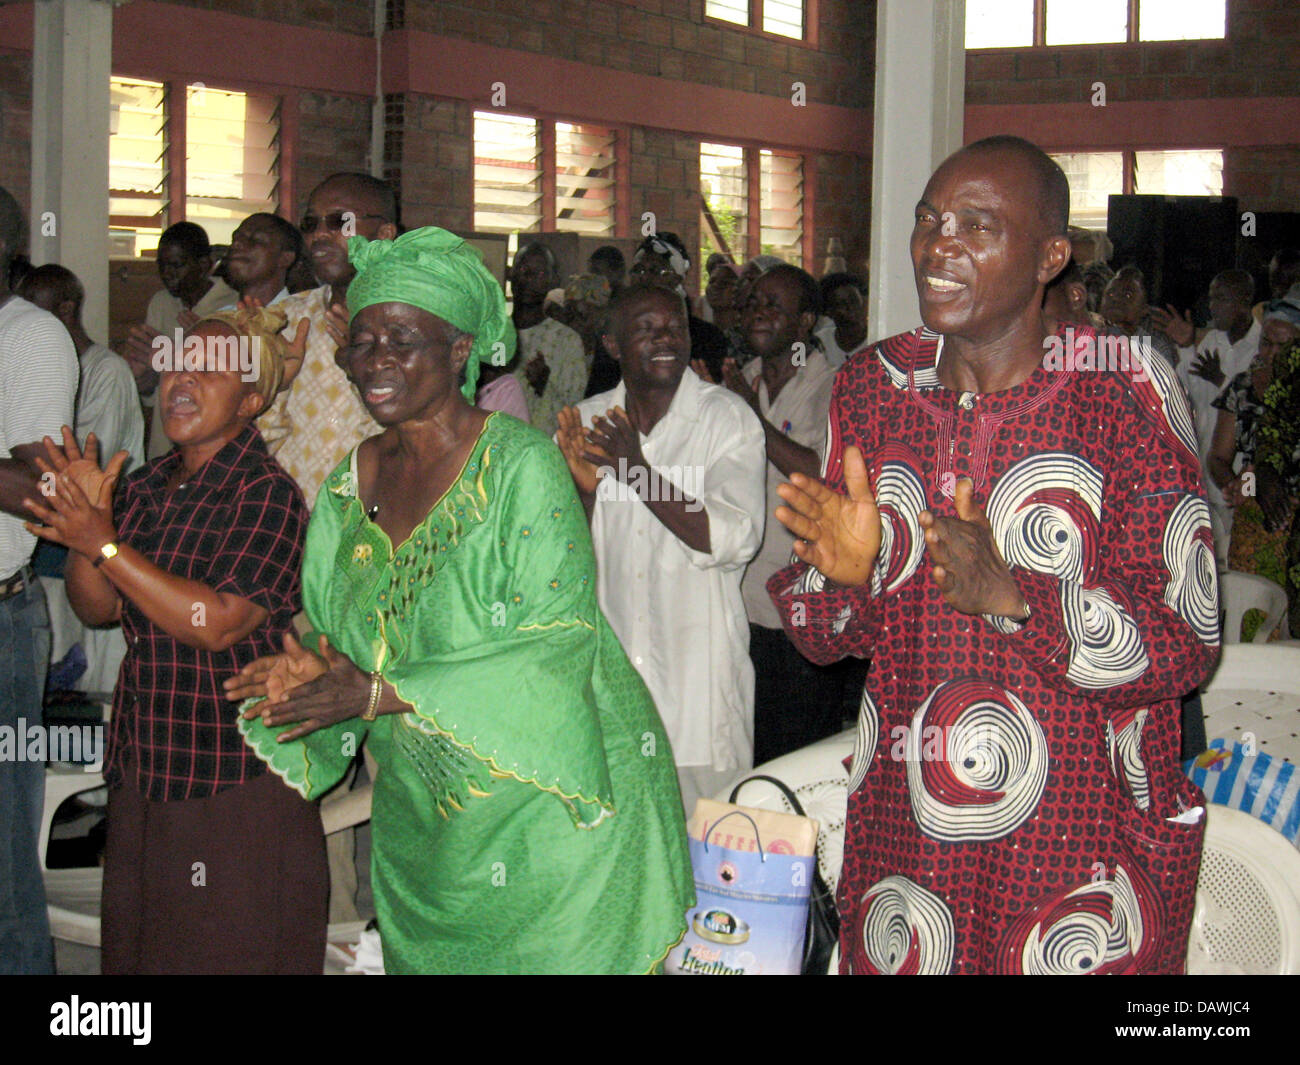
column 38, row 384
column 789, row 387
column 107, row 402
column 671, row 470
column 1224, row 351
column 552, row 363
column 108, row 406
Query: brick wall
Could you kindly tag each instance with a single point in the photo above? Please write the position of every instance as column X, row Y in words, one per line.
column 1257, row 59
column 16, row 126
column 665, row 179
column 842, row 208
column 1263, row 179
column 670, row 38
column 349, row 16
column 431, row 160
column 333, row 135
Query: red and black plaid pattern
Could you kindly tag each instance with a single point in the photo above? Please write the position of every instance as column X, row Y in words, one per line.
column 238, row 526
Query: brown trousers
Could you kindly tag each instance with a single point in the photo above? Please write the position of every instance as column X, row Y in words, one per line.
column 235, row 883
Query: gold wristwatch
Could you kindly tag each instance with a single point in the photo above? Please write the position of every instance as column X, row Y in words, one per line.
column 109, row 550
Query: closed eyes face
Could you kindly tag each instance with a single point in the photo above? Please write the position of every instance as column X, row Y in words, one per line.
column 401, row 361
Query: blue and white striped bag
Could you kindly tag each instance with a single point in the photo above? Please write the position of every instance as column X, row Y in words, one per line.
column 1261, row 785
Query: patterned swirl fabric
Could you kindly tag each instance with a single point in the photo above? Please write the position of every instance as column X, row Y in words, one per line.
column 1013, row 786
column 526, row 814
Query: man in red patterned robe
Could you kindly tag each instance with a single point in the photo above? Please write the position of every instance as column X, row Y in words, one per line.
column 1021, row 545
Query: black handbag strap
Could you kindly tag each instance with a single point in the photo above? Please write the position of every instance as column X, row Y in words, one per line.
column 780, row 785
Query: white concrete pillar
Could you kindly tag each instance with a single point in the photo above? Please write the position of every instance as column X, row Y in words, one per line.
column 72, row 63
column 919, row 107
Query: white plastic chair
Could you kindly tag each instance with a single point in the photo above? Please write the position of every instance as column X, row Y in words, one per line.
column 73, row 895
column 1241, row 592
column 1253, row 696
column 1247, row 917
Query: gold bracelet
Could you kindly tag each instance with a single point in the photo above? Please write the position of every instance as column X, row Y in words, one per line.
column 376, row 688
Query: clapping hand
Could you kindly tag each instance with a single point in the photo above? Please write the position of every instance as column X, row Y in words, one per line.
column 574, row 444
column 323, row 692
column 78, row 511
column 274, row 676
column 838, row 534
column 1177, row 327
column 968, row 567
column 1209, row 368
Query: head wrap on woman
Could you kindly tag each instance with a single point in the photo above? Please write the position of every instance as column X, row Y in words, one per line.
column 265, row 327
column 438, row 272
column 1287, row 309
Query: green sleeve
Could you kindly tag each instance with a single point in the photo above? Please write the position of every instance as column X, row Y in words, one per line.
column 315, row 763
column 516, row 694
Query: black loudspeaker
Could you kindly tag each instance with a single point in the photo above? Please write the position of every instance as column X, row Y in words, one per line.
column 1179, row 242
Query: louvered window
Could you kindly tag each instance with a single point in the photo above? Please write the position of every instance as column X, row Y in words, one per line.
column 232, row 158
column 137, row 165
column 507, row 173
column 781, row 17
column 584, row 179
column 781, row 204
column 724, row 187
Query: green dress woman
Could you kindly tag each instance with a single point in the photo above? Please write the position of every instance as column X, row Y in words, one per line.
column 526, row 815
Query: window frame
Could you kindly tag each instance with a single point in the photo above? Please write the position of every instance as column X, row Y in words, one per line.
column 1129, row 156
column 176, row 87
column 811, row 11
column 754, row 200
column 1130, row 36
column 546, row 163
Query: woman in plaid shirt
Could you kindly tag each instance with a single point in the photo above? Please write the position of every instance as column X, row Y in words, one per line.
column 212, row 864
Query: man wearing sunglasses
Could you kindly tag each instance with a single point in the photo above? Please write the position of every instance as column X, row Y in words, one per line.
column 318, row 418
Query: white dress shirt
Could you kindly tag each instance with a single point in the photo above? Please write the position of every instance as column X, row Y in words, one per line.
column 801, row 412
column 679, row 612
column 1233, row 359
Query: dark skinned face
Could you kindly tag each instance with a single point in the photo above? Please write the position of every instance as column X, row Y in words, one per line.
column 179, row 272
column 400, row 361
column 980, row 247
column 845, row 306
column 531, row 278
column 1274, row 337
column 327, row 249
column 206, row 407
column 651, row 341
column 1228, row 309
column 1124, row 302
column 256, row 254
column 772, row 321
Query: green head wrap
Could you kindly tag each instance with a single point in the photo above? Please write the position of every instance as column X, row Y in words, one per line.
column 438, row 272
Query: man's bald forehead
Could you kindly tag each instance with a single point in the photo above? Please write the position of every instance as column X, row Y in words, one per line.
column 1051, row 189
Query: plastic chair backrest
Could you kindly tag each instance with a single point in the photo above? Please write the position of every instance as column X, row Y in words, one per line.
column 1242, row 592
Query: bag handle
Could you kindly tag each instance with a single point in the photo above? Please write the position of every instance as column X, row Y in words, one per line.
column 778, row 784
column 708, row 831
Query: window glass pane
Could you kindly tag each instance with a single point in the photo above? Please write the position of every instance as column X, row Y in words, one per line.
column 507, row 173
column 1093, row 176
column 1181, row 20
column 1198, row 173
column 784, row 17
column 1093, row 22
column 999, row 23
column 584, row 179
column 232, row 158
column 736, row 11
column 724, row 186
column 137, row 165
column 781, row 200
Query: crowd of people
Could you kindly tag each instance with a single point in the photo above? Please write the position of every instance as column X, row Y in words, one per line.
column 562, row 566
